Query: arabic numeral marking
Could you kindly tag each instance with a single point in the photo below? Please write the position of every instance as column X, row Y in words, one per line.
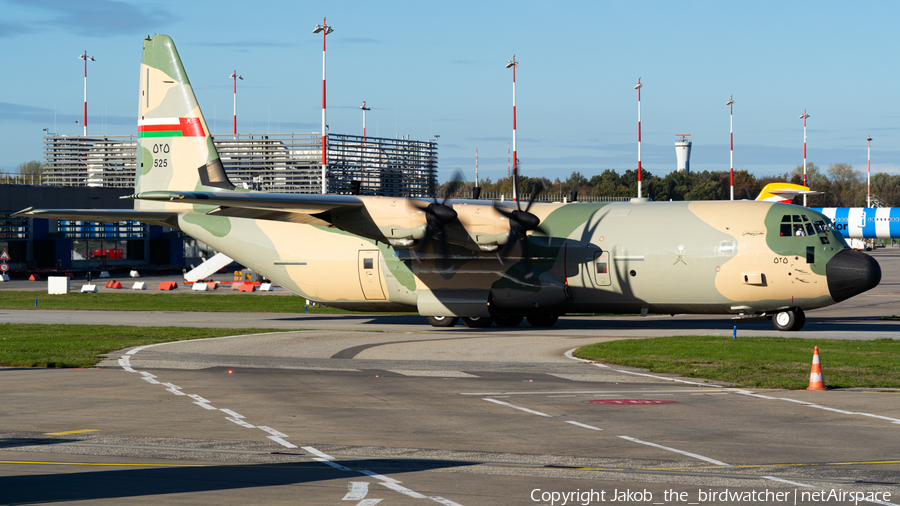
column 782, row 260
column 160, row 147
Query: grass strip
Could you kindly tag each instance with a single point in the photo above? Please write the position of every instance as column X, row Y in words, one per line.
column 758, row 362
column 37, row 345
column 163, row 301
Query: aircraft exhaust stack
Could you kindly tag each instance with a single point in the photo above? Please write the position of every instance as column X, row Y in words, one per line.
column 683, row 153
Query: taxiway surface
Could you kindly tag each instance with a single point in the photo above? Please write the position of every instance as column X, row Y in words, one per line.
column 386, row 410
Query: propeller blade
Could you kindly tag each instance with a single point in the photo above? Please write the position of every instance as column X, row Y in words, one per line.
column 454, row 185
column 526, row 253
column 445, row 263
column 534, row 195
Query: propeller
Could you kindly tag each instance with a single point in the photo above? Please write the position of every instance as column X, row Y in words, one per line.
column 438, row 216
column 520, row 223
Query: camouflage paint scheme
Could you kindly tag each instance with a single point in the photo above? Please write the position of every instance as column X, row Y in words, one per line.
column 354, row 252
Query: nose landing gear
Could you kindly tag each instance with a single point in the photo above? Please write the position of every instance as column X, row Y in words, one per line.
column 789, row 320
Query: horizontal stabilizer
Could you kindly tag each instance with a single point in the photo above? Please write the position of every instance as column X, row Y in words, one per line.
column 163, row 218
column 784, row 192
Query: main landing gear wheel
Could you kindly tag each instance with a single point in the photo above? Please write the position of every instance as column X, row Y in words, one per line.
column 477, row 321
column 442, row 321
column 542, row 319
column 789, row 320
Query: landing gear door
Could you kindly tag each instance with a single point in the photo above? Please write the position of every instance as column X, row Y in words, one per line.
column 600, row 268
column 370, row 274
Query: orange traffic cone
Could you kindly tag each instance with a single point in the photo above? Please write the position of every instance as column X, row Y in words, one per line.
column 816, row 381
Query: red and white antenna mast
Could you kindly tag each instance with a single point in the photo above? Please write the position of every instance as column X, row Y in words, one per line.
column 364, row 109
column 325, row 29
column 803, row 117
column 869, row 171
column 638, row 87
column 85, row 57
column 508, row 164
column 730, row 105
column 234, row 76
column 515, row 159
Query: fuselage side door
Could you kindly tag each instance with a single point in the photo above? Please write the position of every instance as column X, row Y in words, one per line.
column 600, row 268
column 370, row 274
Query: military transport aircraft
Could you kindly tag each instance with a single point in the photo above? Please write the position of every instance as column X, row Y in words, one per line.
column 478, row 260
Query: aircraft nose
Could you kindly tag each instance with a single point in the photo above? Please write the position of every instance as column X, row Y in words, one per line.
column 851, row 273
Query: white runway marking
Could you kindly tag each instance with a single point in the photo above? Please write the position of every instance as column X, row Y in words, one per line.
column 788, row 482
column 814, row 405
column 271, row 431
column 277, row 436
column 689, row 454
column 387, row 481
column 432, row 374
column 584, row 425
column 358, row 491
column 518, row 407
column 582, row 392
column 282, row 442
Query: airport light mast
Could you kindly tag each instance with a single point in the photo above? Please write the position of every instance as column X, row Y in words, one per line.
column 638, row 87
column 515, row 159
column 235, row 77
column 364, row 109
column 869, row 171
column 85, row 57
column 803, row 117
column 325, row 29
column 730, row 105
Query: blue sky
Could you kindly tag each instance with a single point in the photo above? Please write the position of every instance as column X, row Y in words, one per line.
column 429, row 68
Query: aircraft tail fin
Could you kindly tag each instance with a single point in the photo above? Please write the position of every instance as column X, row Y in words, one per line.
column 783, row 192
column 175, row 148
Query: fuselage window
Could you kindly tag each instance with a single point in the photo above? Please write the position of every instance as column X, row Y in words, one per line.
column 601, row 268
column 368, row 263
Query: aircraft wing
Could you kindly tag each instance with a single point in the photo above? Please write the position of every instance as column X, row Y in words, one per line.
column 163, row 218
column 295, row 208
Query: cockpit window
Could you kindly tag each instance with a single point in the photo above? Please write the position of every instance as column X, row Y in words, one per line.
column 786, row 218
column 797, row 218
column 809, row 228
column 820, row 227
column 805, row 218
column 798, row 230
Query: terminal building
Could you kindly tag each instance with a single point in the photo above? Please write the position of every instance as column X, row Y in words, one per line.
column 93, row 172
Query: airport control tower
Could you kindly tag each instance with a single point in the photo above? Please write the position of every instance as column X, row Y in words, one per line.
column 683, row 153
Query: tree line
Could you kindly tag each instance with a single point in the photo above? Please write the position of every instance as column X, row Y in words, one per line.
column 841, row 185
